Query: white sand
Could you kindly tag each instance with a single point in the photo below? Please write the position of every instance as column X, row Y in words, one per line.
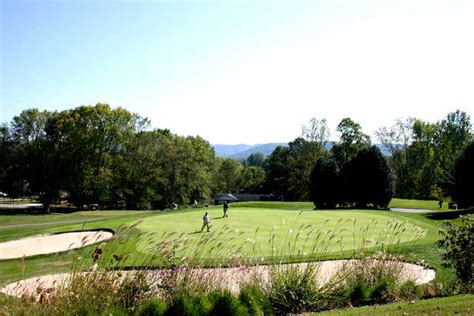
column 230, row 278
column 46, row 244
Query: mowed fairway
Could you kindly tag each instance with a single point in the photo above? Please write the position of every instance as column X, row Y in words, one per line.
column 266, row 232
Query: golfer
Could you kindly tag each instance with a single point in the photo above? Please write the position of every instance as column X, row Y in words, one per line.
column 226, row 207
column 205, row 222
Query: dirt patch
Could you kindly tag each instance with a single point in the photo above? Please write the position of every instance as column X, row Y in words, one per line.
column 46, row 244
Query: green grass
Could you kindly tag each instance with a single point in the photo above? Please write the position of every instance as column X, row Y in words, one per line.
column 269, row 232
column 418, row 204
column 296, row 206
column 453, row 305
column 397, row 203
column 48, row 223
column 26, row 219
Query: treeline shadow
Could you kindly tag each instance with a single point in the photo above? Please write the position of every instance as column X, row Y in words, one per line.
column 450, row 214
column 36, row 211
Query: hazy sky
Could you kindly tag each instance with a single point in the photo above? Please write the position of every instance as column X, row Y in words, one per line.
column 240, row 71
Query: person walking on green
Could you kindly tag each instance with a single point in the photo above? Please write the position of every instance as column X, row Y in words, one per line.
column 226, row 207
column 205, row 222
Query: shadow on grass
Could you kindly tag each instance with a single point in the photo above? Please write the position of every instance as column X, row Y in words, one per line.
column 450, row 215
column 36, row 211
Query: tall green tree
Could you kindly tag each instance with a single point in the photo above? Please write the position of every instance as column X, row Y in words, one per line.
column 227, row 179
column 138, row 177
column 289, row 169
column 255, row 159
column 352, row 140
column 423, row 164
column 325, row 185
column 33, row 165
column 303, row 155
column 367, row 180
column 277, row 168
column 397, row 140
column 463, row 188
column 452, row 136
column 89, row 138
column 252, row 180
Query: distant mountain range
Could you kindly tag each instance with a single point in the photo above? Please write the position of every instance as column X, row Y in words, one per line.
column 242, row 151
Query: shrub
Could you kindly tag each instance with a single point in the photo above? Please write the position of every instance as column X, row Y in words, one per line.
column 458, row 241
column 199, row 305
column 409, row 291
column 177, row 306
column 152, row 307
column 225, row 303
column 368, row 281
column 358, row 293
column 189, row 305
column 383, row 291
column 115, row 311
column 253, row 297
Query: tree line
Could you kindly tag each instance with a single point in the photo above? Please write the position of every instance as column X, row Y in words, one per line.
column 98, row 154
column 425, row 161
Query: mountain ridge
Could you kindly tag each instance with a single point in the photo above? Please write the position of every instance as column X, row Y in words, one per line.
column 242, row 151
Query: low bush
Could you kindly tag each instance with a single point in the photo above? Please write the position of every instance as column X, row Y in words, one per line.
column 253, row 297
column 189, row 305
column 369, row 281
column 153, row 307
column 358, row 293
column 458, row 243
column 225, row 303
column 384, row 291
column 409, row 291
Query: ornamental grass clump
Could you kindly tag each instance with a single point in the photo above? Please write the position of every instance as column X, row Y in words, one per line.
column 255, row 299
column 293, row 289
column 374, row 281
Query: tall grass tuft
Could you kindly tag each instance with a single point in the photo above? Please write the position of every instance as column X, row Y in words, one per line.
column 293, row 289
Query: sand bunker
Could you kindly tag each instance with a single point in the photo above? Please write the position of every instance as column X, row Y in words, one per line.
column 230, row 278
column 45, row 244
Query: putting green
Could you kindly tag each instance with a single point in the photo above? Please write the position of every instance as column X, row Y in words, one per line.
column 263, row 232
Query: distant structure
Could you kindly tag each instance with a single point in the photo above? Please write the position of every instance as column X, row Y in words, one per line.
column 220, row 198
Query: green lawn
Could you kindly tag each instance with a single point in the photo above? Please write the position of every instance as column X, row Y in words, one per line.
column 418, row 204
column 27, row 219
column 269, row 232
column 56, row 222
column 396, row 203
column 452, row 305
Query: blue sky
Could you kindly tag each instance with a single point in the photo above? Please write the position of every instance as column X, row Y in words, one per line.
column 240, row 71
